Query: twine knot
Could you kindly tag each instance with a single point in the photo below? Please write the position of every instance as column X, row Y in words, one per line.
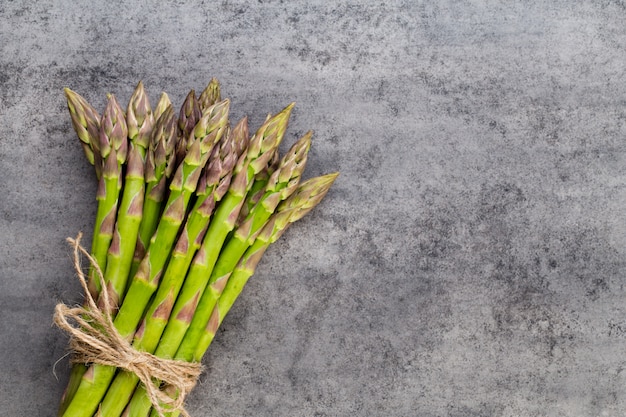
column 94, row 339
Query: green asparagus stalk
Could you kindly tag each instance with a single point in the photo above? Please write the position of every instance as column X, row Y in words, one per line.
column 159, row 165
column 211, row 188
column 120, row 255
column 210, row 95
column 303, row 200
column 281, row 185
column 86, row 122
column 113, row 147
column 207, row 132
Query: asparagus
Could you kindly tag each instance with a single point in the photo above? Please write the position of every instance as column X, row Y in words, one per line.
column 162, row 105
column 211, row 188
column 257, row 190
column 159, row 165
column 261, row 149
column 120, row 255
column 86, row 122
column 181, row 298
column 139, row 118
column 113, row 145
column 303, row 200
column 139, row 124
column 281, row 185
column 210, row 95
column 262, row 146
column 189, row 115
column 207, row 132
column 195, row 303
column 307, row 196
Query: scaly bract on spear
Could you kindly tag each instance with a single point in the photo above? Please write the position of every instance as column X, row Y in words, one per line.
column 86, row 122
column 188, row 116
column 210, row 95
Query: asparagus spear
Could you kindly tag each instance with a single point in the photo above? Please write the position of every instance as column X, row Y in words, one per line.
column 210, row 95
column 162, row 105
column 113, row 145
column 86, row 122
column 303, row 200
column 159, row 165
column 120, row 255
column 211, row 188
column 139, row 118
column 281, row 185
column 258, row 186
column 207, row 132
column 189, row 115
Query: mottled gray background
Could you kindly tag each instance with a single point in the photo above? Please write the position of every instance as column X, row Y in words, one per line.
column 469, row 261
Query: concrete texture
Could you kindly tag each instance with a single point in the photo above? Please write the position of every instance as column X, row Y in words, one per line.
column 470, row 260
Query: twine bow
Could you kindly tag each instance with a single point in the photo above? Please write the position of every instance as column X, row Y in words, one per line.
column 94, row 339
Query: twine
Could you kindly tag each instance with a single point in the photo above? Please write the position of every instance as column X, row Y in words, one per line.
column 94, row 339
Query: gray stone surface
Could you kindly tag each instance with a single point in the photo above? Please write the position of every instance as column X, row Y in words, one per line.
column 470, row 259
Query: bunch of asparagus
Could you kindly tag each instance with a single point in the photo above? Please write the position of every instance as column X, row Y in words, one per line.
column 187, row 205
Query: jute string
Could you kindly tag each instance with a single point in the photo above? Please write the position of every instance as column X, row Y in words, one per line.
column 94, row 339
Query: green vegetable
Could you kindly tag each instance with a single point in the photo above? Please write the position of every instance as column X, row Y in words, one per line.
column 187, row 206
